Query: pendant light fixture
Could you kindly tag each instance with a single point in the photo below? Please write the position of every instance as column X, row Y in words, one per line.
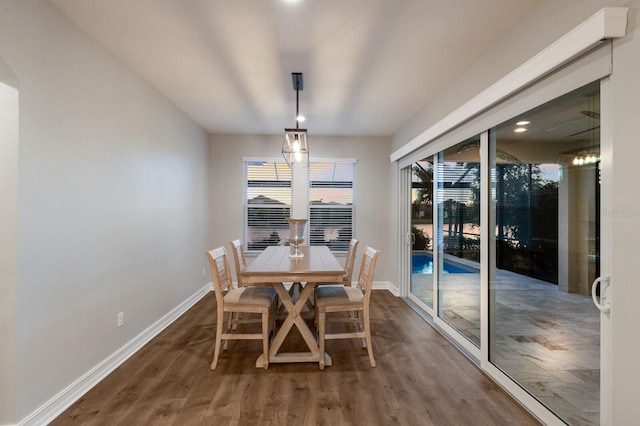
column 294, row 148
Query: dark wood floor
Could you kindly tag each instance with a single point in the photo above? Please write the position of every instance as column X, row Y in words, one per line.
column 420, row 379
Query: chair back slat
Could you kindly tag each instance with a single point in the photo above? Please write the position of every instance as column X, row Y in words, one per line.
column 367, row 269
column 219, row 271
column 239, row 259
column 349, row 261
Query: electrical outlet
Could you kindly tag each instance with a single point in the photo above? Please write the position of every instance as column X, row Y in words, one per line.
column 203, row 271
column 120, row 319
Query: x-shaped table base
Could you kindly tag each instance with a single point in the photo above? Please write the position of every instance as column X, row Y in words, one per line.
column 294, row 318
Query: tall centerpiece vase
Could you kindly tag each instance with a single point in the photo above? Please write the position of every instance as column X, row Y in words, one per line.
column 296, row 228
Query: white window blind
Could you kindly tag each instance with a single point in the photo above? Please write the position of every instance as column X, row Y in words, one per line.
column 267, row 203
column 331, row 203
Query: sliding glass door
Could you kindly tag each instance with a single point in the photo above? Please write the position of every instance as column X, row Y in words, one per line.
column 445, row 237
column 531, row 187
column 458, row 237
column 421, row 285
column 545, row 189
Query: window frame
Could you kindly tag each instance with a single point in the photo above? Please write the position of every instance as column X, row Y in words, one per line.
column 311, row 206
column 246, row 205
column 340, row 184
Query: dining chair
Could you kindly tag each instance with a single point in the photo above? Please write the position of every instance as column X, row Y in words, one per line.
column 348, row 267
column 349, row 299
column 239, row 259
column 261, row 300
column 349, row 261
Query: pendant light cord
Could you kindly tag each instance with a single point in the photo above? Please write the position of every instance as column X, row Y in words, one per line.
column 297, row 96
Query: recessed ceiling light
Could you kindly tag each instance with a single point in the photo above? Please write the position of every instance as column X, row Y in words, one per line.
column 523, row 123
column 300, row 118
column 520, row 129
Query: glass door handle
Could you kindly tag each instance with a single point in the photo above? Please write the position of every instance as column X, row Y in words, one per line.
column 601, row 302
column 409, row 238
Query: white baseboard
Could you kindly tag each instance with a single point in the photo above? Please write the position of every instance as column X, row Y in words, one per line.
column 386, row 285
column 63, row 400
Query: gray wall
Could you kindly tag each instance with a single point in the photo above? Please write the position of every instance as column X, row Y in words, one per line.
column 8, row 237
column 113, row 204
column 373, row 186
column 549, row 21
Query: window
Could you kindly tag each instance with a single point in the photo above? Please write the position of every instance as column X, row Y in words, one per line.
column 267, row 203
column 267, row 198
column 331, row 205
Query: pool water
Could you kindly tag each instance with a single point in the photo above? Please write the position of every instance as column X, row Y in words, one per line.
column 423, row 264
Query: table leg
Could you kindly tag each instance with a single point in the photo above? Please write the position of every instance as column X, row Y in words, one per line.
column 294, row 318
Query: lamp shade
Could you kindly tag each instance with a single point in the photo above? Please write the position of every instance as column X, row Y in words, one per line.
column 294, row 148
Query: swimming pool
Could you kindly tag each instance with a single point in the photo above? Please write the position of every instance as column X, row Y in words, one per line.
column 423, row 264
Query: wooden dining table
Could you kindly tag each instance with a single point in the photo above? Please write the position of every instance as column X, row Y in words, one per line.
column 275, row 267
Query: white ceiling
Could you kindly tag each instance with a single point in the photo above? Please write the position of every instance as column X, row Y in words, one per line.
column 368, row 65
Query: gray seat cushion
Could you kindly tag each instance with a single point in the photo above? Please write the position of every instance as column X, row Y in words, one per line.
column 338, row 295
column 259, row 296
